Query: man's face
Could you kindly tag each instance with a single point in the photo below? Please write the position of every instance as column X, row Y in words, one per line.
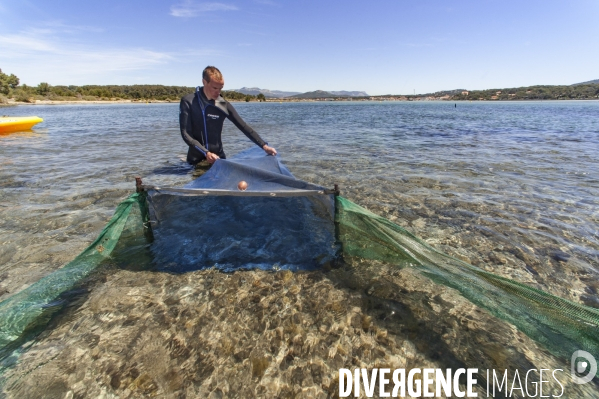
column 212, row 89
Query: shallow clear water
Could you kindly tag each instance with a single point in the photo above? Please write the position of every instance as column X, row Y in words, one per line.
column 510, row 187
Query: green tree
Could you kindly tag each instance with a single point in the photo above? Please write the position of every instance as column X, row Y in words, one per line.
column 247, row 99
column 24, row 93
column 7, row 82
column 43, row 88
column 261, row 97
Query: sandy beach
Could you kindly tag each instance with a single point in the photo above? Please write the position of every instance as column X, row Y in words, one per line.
column 82, row 102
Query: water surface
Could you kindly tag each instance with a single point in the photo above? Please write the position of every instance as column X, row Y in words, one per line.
column 508, row 187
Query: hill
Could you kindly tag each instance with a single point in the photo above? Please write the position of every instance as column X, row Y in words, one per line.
column 316, row 94
column 350, row 93
column 444, row 93
column 574, row 92
column 254, row 91
column 590, row 82
column 330, row 94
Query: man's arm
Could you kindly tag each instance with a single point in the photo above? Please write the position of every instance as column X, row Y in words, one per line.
column 248, row 131
column 186, row 126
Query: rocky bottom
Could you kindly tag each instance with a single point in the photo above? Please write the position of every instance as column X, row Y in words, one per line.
column 265, row 334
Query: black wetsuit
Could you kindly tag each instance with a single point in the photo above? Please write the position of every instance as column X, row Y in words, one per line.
column 196, row 111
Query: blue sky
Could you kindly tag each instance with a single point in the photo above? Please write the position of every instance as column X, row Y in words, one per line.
column 376, row 46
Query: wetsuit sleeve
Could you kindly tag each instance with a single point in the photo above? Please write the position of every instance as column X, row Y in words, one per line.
column 186, row 127
column 244, row 127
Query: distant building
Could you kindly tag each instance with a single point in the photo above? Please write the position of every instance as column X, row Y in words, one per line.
column 464, row 93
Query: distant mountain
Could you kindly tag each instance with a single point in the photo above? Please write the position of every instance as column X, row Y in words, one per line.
column 254, row 91
column 590, row 82
column 316, row 94
column 350, row 93
column 330, row 94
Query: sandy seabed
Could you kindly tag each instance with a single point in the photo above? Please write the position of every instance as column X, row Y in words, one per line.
column 279, row 334
column 209, row 334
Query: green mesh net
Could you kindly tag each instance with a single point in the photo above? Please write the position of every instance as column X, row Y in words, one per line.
column 31, row 308
column 560, row 325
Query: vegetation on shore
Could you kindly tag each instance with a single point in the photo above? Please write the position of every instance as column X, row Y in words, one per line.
column 10, row 89
column 575, row 92
column 582, row 91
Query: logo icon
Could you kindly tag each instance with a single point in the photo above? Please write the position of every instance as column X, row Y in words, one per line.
column 580, row 366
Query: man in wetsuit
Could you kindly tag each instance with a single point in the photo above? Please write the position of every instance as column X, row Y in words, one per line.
column 201, row 119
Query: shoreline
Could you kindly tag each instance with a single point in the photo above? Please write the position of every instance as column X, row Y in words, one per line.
column 71, row 102
column 13, row 103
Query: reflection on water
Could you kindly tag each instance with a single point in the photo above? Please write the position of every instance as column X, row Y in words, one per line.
column 509, row 187
column 173, row 169
column 38, row 133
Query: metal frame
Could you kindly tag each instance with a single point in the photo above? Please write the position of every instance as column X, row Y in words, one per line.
column 238, row 193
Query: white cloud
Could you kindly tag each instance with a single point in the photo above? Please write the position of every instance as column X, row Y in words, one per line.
column 53, row 51
column 18, row 44
column 66, row 28
column 268, row 3
column 191, row 9
column 37, row 56
column 116, row 59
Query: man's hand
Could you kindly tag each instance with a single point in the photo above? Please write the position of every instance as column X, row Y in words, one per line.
column 211, row 157
column 269, row 150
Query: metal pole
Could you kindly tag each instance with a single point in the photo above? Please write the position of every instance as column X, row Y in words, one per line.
column 138, row 184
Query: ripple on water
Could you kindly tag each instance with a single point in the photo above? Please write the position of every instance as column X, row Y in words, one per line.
column 511, row 188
